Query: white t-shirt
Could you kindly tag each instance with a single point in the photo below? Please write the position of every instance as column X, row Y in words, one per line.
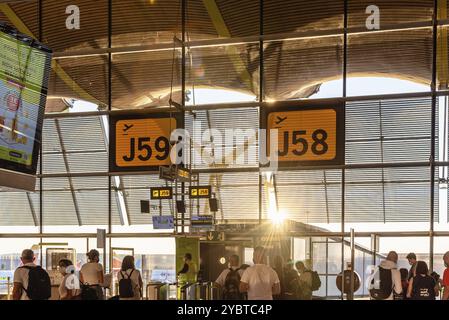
column 21, row 276
column 222, row 277
column 135, row 276
column 90, row 272
column 260, row 279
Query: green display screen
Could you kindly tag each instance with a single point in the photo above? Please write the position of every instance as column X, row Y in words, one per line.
column 24, row 71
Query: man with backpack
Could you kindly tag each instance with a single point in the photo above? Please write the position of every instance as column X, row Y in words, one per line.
column 385, row 282
column 229, row 280
column 307, row 282
column 31, row 282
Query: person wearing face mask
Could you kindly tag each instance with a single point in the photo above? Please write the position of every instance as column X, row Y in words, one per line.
column 69, row 288
column 445, row 282
column 229, row 279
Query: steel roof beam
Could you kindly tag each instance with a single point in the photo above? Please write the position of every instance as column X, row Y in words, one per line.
column 288, row 36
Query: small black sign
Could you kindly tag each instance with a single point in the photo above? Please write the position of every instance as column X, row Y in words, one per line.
column 202, row 221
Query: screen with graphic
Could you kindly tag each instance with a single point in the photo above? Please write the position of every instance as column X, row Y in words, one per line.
column 24, row 71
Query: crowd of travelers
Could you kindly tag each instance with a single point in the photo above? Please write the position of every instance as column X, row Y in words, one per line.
column 262, row 282
column 387, row 282
column 284, row 281
column 32, row 282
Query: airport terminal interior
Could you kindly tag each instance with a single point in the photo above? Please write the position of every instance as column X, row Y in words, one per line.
column 155, row 128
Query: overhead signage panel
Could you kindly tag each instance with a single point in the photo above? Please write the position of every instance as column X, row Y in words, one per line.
column 307, row 135
column 161, row 193
column 200, row 192
column 141, row 142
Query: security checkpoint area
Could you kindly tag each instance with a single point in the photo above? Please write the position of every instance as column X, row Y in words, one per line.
column 217, row 150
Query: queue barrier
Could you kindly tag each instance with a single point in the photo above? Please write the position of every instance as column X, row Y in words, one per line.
column 6, row 289
column 200, row 291
column 159, row 291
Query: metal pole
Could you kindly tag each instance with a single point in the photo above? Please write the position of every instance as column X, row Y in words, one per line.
column 41, row 184
column 351, row 289
column 433, row 132
column 374, row 248
column 261, row 95
column 109, row 109
column 183, row 85
column 345, row 61
column 8, row 293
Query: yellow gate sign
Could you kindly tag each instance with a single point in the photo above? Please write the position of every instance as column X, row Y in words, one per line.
column 309, row 135
column 141, row 142
column 161, row 193
column 200, row 192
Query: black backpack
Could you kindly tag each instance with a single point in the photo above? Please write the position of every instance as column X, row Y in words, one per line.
column 125, row 286
column 39, row 285
column 231, row 289
column 316, row 281
column 386, row 285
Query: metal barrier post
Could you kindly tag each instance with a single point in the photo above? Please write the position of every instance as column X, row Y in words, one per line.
column 8, row 295
column 351, row 288
column 184, row 291
column 208, row 291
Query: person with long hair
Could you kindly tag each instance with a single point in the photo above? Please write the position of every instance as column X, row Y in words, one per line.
column 132, row 280
column 422, row 286
column 278, row 266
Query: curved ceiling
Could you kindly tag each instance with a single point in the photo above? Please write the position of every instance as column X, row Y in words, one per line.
column 292, row 68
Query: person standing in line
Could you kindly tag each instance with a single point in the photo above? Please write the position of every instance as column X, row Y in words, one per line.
column 130, row 280
column 422, row 286
column 290, row 279
column 278, row 266
column 229, row 279
column 260, row 281
column 445, row 281
column 411, row 257
column 68, row 290
column 31, row 282
column 92, row 277
column 404, row 281
column 304, row 290
column 389, row 278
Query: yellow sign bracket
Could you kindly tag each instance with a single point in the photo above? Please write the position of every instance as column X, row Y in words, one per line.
column 442, row 51
column 232, row 51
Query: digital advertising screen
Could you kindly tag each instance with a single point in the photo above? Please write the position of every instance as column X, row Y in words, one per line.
column 25, row 68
